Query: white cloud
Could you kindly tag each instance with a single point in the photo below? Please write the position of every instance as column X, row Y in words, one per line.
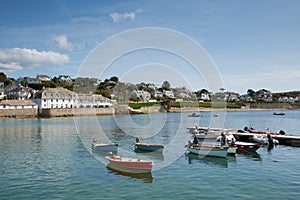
column 62, row 42
column 118, row 17
column 10, row 67
column 84, row 19
column 14, row 59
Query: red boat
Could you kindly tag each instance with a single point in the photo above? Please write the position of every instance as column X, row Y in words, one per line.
column 251, row 130
column 132, row 165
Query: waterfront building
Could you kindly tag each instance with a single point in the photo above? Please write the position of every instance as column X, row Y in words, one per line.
column 61, row 98
column 264, row 95
column 246, row 97
column 65, row 78
column 286, row 99
column 18, row 93
column 18, row 108
column 2, row 95
column 169, row 93
column 141, row 94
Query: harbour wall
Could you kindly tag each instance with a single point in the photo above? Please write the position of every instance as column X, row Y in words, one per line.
column 19, row 113
column 66, row 112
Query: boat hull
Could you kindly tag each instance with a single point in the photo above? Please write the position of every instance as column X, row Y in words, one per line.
column 132, row 165
column 104, row 147
column 246, row 146
column 148, row 147
column 209, row 151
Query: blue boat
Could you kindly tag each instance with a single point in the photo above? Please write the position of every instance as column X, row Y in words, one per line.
column 96, row 145
column 148, row 147
column 141, row 146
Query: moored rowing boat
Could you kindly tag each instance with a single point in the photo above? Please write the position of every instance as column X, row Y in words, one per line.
column 208, row 150
column 133, row 165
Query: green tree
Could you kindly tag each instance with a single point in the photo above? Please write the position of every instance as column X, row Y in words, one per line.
column 4, row 79
column 166, row 85
column 114, row 78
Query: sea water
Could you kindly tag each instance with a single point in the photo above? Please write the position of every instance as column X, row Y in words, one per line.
column 52, row 159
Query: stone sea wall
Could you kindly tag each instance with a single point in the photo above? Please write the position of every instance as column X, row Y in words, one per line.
column 77, row 112
column 19, row 113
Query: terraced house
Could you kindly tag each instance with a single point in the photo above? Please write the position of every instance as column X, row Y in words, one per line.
column 66, row 100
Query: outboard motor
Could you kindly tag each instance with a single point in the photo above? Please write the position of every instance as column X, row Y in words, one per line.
column 223, row 139
column 281, row 132
column 137, row 140
column 270, row 139
column 195, row 141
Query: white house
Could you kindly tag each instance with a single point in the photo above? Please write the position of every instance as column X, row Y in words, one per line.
column 2, row 95
column 230, row 97
column 246, row 97
column 17, row 104
column 59, row 98
column 203, row 96
column 169, row 93
column 264, row 95
column 144, row 95
column 286, row 100
column 65, row 78
column 19, row 93
column 91, row 101
column 158, row 94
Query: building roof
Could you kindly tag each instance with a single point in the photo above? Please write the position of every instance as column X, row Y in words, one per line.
column 56, row 93
column 18, row 103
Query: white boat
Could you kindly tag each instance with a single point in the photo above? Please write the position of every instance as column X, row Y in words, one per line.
column 205, row 134
column 96, row 145
column 264, row 139
column 208, row 150
column 232, row 150
column 194, row 115
column 132, row 165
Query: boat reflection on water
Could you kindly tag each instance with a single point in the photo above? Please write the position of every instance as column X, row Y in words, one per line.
column 146, row 177
column 214, row 161
column 101, row 154
column 152, row 155
column 252, row 154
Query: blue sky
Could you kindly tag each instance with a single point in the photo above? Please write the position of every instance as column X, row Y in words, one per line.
column 254, row 44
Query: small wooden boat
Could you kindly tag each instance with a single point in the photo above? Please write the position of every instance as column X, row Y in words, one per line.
column 132, row 165
column 205, row 134
column 194, row 115
column 216, row 114
column 208, row 150
column 147, row 177
column 245, row 146
column 278, row 113
column 141, row 146
column 96, row 145
column 251, row 130
column 148, row 147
